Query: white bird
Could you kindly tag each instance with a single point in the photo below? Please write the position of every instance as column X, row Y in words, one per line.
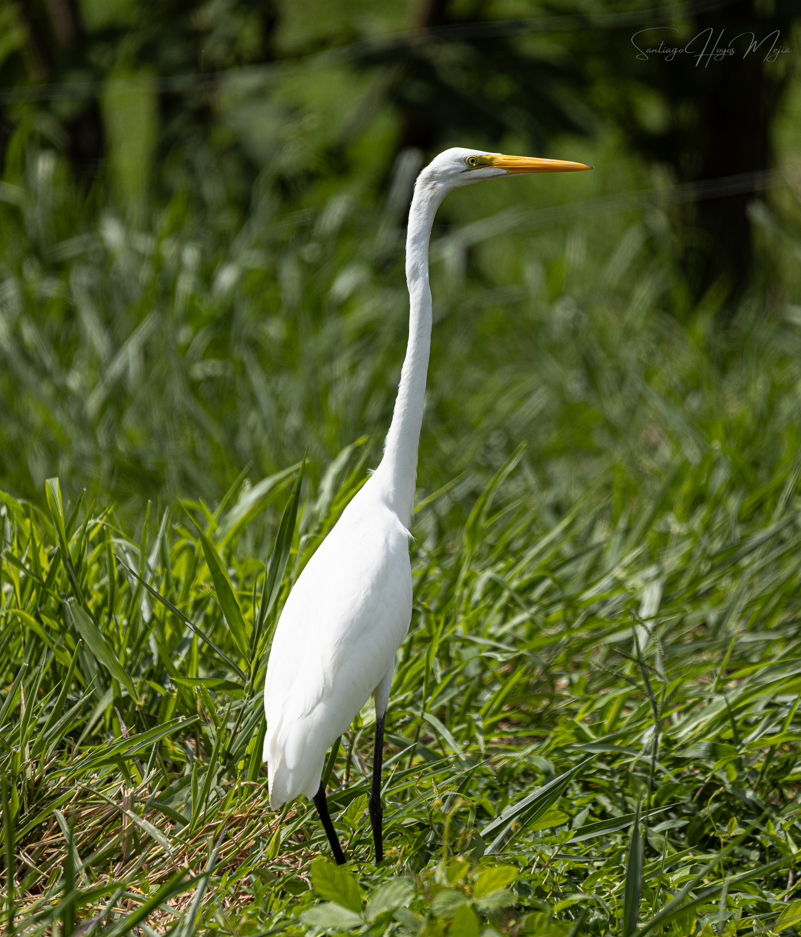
column 350, row 609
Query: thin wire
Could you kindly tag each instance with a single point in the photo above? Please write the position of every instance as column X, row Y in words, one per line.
column 192, row 81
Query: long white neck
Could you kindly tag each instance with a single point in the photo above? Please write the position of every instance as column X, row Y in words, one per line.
column 397, row 472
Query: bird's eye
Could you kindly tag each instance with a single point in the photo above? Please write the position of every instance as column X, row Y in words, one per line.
column 471, row 161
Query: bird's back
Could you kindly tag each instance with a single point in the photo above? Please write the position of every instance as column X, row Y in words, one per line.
column 337, row 636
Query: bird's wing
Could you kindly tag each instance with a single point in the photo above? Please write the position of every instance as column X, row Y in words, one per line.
column 337, row 636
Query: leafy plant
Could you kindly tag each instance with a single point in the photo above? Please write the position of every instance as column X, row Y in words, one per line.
column 593, row 728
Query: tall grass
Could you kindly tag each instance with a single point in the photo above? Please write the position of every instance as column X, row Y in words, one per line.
column 154, row 363
column 594, row 724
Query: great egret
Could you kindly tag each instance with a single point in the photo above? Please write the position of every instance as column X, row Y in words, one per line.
column 350, row 609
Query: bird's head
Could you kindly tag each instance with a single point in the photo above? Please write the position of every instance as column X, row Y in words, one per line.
column 458, row 167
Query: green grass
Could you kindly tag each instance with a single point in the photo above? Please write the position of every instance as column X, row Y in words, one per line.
column 159, row 362
column 606, row 619
column 563, row 677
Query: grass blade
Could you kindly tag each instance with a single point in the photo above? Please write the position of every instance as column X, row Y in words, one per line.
column 68, row 917
column 166, row 602
column 170, row 889
column 278, row 561
column 603, row 827
column 98, row 645
column 329, row 763
column 211, row 771
column 475, row 521
column 678, row 904
column 632, row 887
column 527, row 810
column 190, row 922
column 58, row 707
column 225, row 594
column 8, row 842
column 11, row 696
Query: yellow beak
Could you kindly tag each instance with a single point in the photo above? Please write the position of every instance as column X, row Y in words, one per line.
column 515, row 165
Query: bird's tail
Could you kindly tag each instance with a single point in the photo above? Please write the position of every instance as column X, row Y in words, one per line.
column 290, row 774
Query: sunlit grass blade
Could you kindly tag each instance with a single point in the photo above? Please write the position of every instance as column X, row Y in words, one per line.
column 278, row 561
column 604, row 827
column 252, row 502
column 225, row 594
column 98, row 645
column 150, row 828
column 12, row 693
column 68, row 917
column 512, row 822
column 55, row 504
column 127, row 748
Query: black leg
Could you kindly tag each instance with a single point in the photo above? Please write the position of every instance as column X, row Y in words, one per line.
column 320, row 803
column 376, row 813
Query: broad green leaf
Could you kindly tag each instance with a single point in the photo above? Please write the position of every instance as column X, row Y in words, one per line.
column 330, row 914
column 393, row 894
column 790, row 917
column 549, row 820
column 491, row 880
column 465, row 922
column 447, row 901
column 355, row 810
column 541, row 924
column 495, row 901
column 225, row 594
column 210, row 683
column 335, row 883
column 456, row 869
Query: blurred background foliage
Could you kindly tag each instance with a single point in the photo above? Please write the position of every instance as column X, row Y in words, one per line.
column 202, row 215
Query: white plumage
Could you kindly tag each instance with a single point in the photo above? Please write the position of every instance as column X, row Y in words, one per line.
column 340, row 628
column 350, row 609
